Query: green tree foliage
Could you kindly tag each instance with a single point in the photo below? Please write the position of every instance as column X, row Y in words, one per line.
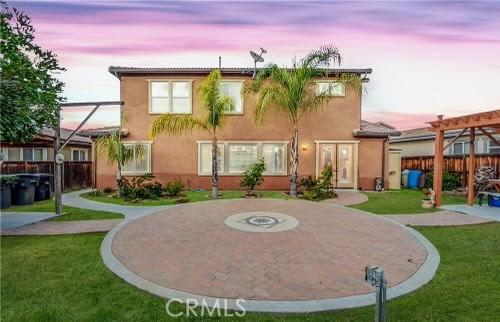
column 30, row 94
column 112, row 147
column 293, row 92
column 320, row 188
column 252, row 177
column 215, row 108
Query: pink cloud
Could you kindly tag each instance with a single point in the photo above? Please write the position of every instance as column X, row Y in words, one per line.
column 401, row 121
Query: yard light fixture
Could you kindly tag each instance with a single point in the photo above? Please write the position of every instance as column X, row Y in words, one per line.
column 257, row 58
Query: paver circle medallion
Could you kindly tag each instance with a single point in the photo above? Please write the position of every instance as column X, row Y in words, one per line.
column 278, row 255
column 261, row 221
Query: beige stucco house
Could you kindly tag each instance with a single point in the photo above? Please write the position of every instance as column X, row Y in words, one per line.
column 420, row 142
column 41, row 148
column 334, row 135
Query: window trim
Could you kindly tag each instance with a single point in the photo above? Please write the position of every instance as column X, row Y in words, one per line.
column 317, row 82
column 226, row 172
column 462, row 143
column 489, row 147
column 200, row 173
column 242, row 82
column 86, row 151
column 170, row 95
column 21, row 153
column 149, row 163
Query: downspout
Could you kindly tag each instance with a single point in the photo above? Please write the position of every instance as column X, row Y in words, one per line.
column 383, row 161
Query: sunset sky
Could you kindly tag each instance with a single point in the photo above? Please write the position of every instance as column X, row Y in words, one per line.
column 428, row 58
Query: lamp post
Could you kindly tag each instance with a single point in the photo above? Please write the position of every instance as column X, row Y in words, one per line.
column 58, row 156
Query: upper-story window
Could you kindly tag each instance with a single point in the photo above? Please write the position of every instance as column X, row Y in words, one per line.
column 170, row 97
column 330, row 88
column 233, row 89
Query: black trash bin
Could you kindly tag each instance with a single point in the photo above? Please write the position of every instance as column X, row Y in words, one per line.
column 42, row 184
column 24, row 190
column 6, row 183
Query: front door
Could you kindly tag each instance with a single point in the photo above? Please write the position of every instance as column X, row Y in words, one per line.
column 340, row 156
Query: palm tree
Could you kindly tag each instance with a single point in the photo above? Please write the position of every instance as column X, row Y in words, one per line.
column 215, row 106
column 116, row 152
column 292, row 90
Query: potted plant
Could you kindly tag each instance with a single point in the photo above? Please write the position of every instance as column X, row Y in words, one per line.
column 253, row 177
column 6, row 183
column 428, row 200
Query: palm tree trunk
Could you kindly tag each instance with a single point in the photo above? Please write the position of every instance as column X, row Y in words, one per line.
column 294, row 162
column 215, row 174
column 119, row 180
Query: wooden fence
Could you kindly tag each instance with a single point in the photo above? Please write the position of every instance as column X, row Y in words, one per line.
column 76, row 174
column 452, row 163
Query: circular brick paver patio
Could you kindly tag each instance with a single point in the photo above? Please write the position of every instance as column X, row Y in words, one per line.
column 189, row 248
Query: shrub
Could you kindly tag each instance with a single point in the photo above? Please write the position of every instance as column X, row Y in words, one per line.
column 451, row 181
column 321, row 188
column 182, row 200
column 306, row 183
column 140, row 188
column 252, row 177
column 107, row 190
column 8, row 179
column 173, row 188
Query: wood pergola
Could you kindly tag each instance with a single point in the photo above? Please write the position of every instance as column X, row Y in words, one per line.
column 473, row 122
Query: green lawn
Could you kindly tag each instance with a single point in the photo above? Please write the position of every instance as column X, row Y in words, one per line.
column 404, row 201
column 62, row 278
column 193, row 196
column 71, row 213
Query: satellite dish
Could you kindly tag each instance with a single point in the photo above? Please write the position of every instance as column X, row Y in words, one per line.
column 59, row 158
column 256, row 57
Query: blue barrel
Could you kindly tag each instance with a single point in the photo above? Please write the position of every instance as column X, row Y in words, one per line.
column 414, row 179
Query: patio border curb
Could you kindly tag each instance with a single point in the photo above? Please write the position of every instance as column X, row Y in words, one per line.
column 422, row 276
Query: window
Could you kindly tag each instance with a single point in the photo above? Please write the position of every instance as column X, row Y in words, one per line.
column 233, row 89
column 330, row 88
column 159, row 97
column 34, row 154
column 493, row 148
column 235, row 157
column 141, row 162
column 274, row 155
column 205, row 154
column 181, row 97
column 458, row 148
column 24, row 154
column 4, row 154
column 241, row 156
column 79, row 155
column 162, row 102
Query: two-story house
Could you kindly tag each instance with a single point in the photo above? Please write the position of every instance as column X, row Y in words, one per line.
column 333, row 135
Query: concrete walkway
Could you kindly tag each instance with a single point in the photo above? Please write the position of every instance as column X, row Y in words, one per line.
column 439, row 218
column 63, row 227
column 12, row 219
column 73, row 199
column 490, row 213
column 31, row 223
column 347, row 198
